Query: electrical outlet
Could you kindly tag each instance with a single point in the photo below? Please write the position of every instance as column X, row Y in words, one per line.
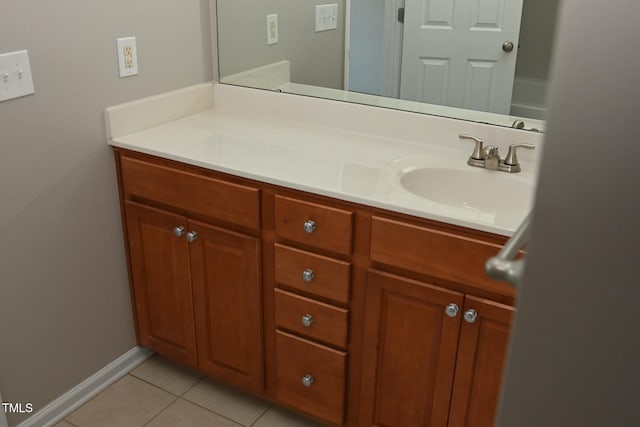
column 127, row 56
column 272, row 29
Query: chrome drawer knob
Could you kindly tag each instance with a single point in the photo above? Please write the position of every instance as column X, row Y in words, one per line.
column 192, row 236
column 452, row 310
column 178, row 231
column 308, row 275
column 470, row 316
column 310, row 226
column 307, row 320
column 307, row 380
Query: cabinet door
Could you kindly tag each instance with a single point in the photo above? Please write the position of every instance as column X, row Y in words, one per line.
column 410, row 347
column 481, row 355
column 226, row 279
column 161, row 282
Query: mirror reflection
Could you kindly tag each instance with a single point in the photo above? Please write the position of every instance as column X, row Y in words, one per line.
column 481, row 60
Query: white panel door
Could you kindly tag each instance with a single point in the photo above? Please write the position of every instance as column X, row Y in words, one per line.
column 453, row 52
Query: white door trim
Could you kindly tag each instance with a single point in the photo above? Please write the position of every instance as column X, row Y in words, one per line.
column 347, row 40
column 392, row 49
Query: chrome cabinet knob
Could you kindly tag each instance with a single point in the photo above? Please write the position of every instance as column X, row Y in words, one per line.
column 452, row 310
column 307, row 380
column 507, row 46
column 307, row 320
column 310, row 226
column 308, row 275
column 470, row 315
column 178, row 231
column 192, row 236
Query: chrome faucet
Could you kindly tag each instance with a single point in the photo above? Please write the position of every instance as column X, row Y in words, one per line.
column 489, row 157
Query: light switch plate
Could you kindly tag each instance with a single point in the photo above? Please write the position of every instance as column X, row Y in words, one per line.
column 326, row 17
column 15, row 75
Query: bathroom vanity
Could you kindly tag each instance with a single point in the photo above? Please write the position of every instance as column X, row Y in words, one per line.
column 273, row 244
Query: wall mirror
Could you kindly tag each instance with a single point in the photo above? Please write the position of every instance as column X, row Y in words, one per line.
column 480, row 60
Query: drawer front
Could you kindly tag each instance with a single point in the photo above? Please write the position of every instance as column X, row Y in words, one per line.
column 311, row 273
column 297, row 359
column 311, row 318
column 210, row 197
column 333, row 227
column 434, row 253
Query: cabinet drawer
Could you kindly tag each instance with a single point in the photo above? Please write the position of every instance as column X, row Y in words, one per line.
column 213, row 198
column 333, row 227
column 435, row 253
column 311, row 318
column 296, row 359
column 324, row 277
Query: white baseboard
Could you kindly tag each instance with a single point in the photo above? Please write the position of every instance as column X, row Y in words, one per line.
column 58, row 409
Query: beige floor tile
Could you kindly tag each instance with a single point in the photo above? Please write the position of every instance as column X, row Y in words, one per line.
column 166, row 375
column 186, row 414
column 240, row 407
column 279, row 417
column 63, row 423
column 129, row 402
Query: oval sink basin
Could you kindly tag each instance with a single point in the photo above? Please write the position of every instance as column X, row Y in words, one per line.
column 479, row 190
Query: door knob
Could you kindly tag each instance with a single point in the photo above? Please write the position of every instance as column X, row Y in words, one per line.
column 307, row 320
column 470, row 315
column 507, row 46
column 310, row 226
column 452, row 310
column 307, row 380
column 308, row 275
column 178, row 231
column 192, row 236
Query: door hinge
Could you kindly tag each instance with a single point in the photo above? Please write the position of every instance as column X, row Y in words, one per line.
column 401, row 15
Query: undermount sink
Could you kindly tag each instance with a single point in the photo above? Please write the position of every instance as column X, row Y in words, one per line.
column 474, row 189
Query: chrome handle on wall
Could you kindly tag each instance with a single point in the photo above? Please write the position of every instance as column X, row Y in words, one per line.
column 504, row 266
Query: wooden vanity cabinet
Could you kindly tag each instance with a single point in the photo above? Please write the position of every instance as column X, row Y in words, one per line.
column 196, row 286
column 350, row 314
column 432, row 356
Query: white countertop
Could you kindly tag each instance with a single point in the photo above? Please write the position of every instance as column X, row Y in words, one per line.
column 342, row 162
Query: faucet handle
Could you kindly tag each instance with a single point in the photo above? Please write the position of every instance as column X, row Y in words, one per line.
column 478, row 152
column 512, row 158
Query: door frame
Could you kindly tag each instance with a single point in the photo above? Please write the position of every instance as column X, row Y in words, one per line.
column 347, row 40
column 392, row 49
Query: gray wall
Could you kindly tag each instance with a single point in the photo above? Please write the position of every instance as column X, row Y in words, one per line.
column 316, row 58
column 537, row 31
column 576, row 344
column 64, row 296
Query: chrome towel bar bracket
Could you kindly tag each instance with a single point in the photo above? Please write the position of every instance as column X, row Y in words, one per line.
column 504, row 266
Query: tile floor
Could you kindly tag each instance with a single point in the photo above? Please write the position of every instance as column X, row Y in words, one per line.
column 160, row 394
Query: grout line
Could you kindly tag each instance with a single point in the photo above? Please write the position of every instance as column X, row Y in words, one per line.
column 270, row 407
column 161, row 411
column 213, row 412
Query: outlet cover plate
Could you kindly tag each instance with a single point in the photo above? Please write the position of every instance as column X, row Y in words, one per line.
column 272, row 29
column 127, row 56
